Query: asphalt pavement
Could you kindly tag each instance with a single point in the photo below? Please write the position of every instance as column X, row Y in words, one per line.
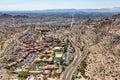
column 67, row 74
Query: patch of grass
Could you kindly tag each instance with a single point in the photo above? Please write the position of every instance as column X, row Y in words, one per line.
column 23, row 75
column 21, row 78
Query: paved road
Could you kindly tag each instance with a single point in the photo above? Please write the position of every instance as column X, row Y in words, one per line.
column 67, row 74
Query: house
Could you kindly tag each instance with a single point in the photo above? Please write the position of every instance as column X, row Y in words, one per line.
column 50, row 51
column 47, row 72
column 48, row 39
column 11, row 64
column 50, row 59
column 62, row 44
column 39, row 48
column 47, row 44
column 57, row 48
column 40, row 77
column 58, row 55
column 25, row 55
column 31, row 78
column 19, row 60
column 50, row 67
column 59, row 71
column 36, row 72
column 52, row 79
column 20, row 69
column 37, row 59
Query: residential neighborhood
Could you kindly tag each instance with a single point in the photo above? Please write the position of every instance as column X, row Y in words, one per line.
column 42, row 60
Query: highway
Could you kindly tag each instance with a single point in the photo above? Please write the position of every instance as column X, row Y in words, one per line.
column 79, row 57
column 67, row 74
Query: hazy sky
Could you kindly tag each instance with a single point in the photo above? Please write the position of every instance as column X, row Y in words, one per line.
column 56, row 4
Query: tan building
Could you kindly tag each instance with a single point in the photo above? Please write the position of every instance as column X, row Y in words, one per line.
column 50, row 67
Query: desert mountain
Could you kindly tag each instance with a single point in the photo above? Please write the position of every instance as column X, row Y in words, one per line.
column 103, row 37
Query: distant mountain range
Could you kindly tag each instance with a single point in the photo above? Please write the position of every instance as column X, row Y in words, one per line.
column 21, row 13
column 103, row 10
column 11, row 16
column 115, row 9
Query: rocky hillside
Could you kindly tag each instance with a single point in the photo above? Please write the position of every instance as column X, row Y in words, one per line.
column 103, row 60
column 7, row 33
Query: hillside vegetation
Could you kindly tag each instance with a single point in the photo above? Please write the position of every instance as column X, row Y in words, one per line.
column 103, row 37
